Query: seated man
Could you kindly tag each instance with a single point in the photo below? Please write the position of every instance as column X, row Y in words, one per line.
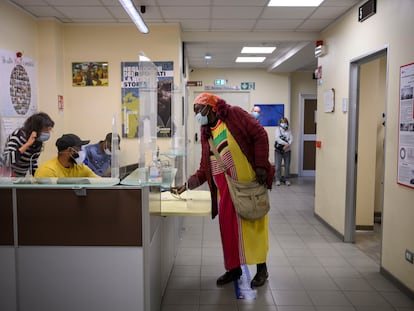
column 69, row 161
column 99, row 155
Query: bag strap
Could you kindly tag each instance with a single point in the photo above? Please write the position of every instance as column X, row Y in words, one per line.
column 213, row 148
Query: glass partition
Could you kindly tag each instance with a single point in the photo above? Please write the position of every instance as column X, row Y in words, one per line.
column 161, row 147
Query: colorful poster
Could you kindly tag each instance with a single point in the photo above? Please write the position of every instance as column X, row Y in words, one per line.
column 90, row 74
column 134, row 76
column 406, row 131
column 18, row 85
column 130, row 99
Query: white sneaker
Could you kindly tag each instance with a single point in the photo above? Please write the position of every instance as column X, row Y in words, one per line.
column 287, row 182
column 277, row 182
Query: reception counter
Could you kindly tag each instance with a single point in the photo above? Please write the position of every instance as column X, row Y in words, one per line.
column 97, row 246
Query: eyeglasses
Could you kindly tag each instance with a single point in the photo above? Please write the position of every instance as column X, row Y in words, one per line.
column 200, row 110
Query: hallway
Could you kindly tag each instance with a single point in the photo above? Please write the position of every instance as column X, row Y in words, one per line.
column 310, row 268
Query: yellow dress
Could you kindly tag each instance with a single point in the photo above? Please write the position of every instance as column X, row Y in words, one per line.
column 244, row 241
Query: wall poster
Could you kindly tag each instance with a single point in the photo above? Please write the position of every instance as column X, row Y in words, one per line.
column 18, row 91
column 406, row 131
column 90, row 74
column 130, row 76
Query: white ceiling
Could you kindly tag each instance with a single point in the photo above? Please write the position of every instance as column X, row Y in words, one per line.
column 216, row 27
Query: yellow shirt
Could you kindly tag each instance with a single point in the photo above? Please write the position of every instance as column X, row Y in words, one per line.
column 53, row 168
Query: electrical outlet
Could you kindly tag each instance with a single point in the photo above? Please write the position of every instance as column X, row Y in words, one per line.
column 409, row 256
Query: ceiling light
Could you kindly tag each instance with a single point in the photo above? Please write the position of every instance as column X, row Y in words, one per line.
column 250, row 59
column 302, row 3
column 134, row 14
column 258, row 49
column 208, row 57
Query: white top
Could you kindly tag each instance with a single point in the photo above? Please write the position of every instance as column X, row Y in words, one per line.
column 283, row 137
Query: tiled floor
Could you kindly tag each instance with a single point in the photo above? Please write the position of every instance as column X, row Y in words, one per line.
column 310, row 268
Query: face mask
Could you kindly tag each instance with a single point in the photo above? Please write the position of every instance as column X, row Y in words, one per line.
column 255, row 115
column 283, row 126
column 203, row 120
column 43, row 137
column 78, row 157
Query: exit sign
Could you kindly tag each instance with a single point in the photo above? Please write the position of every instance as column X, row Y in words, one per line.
column 220, row 82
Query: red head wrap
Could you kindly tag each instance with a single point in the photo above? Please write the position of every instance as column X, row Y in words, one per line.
column 207, row 99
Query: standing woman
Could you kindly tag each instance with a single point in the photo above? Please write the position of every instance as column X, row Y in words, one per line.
column 283, row 141
column 243, row 145
column 24, row 145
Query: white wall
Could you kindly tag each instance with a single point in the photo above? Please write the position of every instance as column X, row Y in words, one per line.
column 346, row 40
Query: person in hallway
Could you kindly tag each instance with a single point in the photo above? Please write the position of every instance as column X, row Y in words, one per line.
column 24, row 145
column 283, row 141
column 69, row 161
column 243, row 145
column 98, row 156
column 256, row 112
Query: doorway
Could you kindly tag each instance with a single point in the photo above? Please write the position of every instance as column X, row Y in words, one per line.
column 365, row 156
column 307, row 150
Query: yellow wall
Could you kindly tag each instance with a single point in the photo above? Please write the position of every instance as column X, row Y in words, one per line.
column 346, row 40
column 89, row 111
column 19, row 31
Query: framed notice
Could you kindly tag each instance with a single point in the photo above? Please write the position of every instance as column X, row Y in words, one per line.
column 405, row 175
column 329, row 100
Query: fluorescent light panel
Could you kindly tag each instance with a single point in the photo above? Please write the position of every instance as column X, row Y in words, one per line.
column 302, row 3
column 250, row 59
column 130, row 8
column 258, row 49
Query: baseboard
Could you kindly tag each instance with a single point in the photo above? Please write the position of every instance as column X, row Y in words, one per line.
column 364, row 228
column 401, row 286
column 334, row 231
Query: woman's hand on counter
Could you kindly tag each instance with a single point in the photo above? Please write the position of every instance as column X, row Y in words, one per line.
column 179, row 189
